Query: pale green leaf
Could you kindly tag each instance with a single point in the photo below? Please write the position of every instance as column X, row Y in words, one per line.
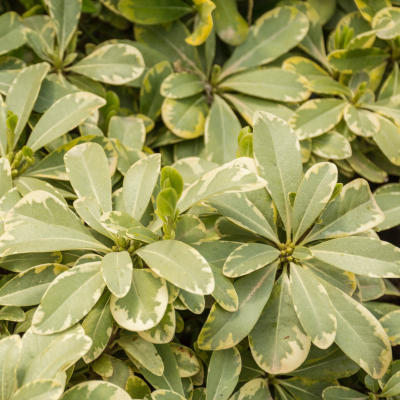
column 44, row 389
column 313, row 307
column 317, row 116
column 64, row 115
column 278, row 342
column 342, row 393
column 181, row 85
column 365, row 342
column 223, row 373
column 139, row 184
column 117, row 272
column 180, row 264
column 95, row 390
column 130, row 131
column 361, row 122
column 361, row 255
column 11, row 32
column 256, row 389
column 87, row 168
column 312, row 196
column 115, row 64
column 28, row 288
column 221, row 130
column 271, row 84
column 10, row 353
column 278, row 161
column 272, row 35
column 144, row 305
column 353, row 211
column 23, row 92
column 65, row 15
column 331, row 145
column 98, row 325
column 248, row 258
column 42, row 223
column 224, row 329
column 188, row 364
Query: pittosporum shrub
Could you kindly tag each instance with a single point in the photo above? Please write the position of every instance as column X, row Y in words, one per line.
column 185, row 202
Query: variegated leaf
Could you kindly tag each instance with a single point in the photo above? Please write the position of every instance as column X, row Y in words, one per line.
column 278, row 342
column 96, row 390
column 116, row 269
column 144, row 305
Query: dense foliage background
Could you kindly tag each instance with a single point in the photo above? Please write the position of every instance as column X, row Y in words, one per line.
column 199, row 199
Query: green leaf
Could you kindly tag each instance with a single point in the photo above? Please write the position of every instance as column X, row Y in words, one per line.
column 327, row 85
column 392, row 387
column 388, row 140
column 272, row 35
column 270, row 83
column 137, row 388
column 221, row 129
column 23, row 92
column 43, row 357
column 164, row 331
column 390, row 323
column 144, row 305
column 246, row 106
column 216, row 253
column 224, row 179
column 188, row 364
column 361, row 122
column 166, row 202
column 65, row 16
column 28, row 288
column 139, row 184
column 313, row 195
column 242, row 212
column 190, row 229
column 365, row 342
column 5, row 176
column 224, row 329
column 356, row 60
column 11, row 33
column 154, row 11
column 115, row 64
column 317, row 116
column 278, row 342
column 306, row 389
column 130, row 131
column 331, row 145
column 185, row 117
column 231, row 27
column 361, row 255
column 181, row 85
column 353, row 211
column 169, row 39
column 45, row 389
column 166, row 395
column 87, row 168
column 369, row 8
column 98, row 325
column 366, row 168
column 68, row 299
column 248, row 258
column 22, row 262
column 331, row 363
column 63, row 116
column 313, row 307
column 42, row 223
column 223, row 373
column 256, row 389
column 278, row 161
column 95, row 390
column 170, row 380
column 116, row 269
column 342, row 393
column 151, row 92
column 10, row 353
column 387, row 199
column 142, row 351
column 371, row 288
column 179, row 264
column 142, row 234
column 12, row 313
column 193, row 302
